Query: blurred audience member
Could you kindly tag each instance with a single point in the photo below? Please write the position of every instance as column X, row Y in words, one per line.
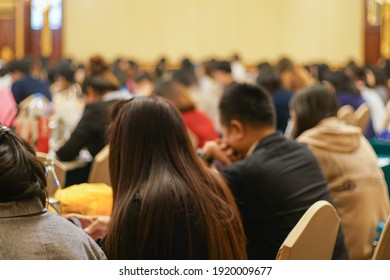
column 223, row 74
column 274, row 180
column 268, row 78
column 101, row 89
column 196, row 121
column 238, row 69
column 28, row 231
column 24, row 84
column 349, row 164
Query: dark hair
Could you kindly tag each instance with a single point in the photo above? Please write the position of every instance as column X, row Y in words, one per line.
column 312, row 105
column 67, row 72
column 185, row 77
column 268, row 78
column 22, row 175
column 223, row 66
column 183, row 212
column 176, row 93
column 101, row 79
column 342, row 83
column 379, row 74
column 23, row 65
column 101, row 84
column 284, row 64
column 98, row 65
column 161, row 67
column 144, row 76
column 249, row 104
column 118, row 72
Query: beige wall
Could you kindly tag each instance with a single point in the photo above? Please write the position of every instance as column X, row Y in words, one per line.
column 306, row 30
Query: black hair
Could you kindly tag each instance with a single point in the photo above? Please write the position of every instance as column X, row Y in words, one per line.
column 251, row 105
column 223, row 66
column 267, row 77
column 67, row 72
column 23, row 66
column 342, row 83
column 144, row 76
column 101, row 83
column 22, row 175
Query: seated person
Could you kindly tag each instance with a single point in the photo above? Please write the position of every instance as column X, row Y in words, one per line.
column 355, row 181
column 101, row 90
column 27, row 229
column 24, row 84
column 196, row 121
column 68, row 101
column 276, row 181
column 167, row 204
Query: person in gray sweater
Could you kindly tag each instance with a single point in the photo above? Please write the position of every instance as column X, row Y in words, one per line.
column 27, row 230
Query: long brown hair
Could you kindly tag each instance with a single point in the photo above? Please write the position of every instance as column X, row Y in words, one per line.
column 311, row 105
column 176, row 93
column 183, row 212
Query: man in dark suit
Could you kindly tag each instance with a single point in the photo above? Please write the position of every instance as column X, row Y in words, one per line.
column 24, row 84
column 276, row 180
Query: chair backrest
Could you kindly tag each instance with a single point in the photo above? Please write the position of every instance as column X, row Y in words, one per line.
column 362, row 117
column 382, row 250
column 100, row 172
column 346, row 114
column 314, row 236
column 59, row 169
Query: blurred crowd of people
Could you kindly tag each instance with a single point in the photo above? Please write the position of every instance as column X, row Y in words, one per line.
column 271, row 131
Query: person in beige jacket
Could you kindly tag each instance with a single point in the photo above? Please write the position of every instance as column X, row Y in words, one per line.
column 349, row 164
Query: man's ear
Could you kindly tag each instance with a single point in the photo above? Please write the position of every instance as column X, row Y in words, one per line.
column 237, row 128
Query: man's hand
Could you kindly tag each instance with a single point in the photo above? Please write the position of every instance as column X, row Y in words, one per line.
column 221, row 152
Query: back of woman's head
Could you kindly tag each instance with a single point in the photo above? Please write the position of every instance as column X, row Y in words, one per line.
column 267, row 77
column 100, row 78
column 176, row 93
column 342, row 82
column 311, row 106
column 22, row 176
column 284, row 64
column 147, row 130
column 152, row 159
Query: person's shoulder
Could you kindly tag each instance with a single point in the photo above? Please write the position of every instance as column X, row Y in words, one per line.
column 66, row 232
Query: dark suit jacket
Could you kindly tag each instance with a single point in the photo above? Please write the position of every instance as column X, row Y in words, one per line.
column 27, row 86
column 274, row 187
column 90, row 132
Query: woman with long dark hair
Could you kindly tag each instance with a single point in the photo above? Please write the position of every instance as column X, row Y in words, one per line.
column 167, row 205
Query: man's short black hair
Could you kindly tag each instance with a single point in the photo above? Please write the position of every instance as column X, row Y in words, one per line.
column 23, row 65
column 223, row 66
column 251, row 105
column 67, row 72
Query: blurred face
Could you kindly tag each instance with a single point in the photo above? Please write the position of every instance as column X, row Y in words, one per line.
column 79, row 76
column 234, row 137
column 370, row 79
column 145, row 88
column 16, row 75
column 91, row 95
column 221, row 77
